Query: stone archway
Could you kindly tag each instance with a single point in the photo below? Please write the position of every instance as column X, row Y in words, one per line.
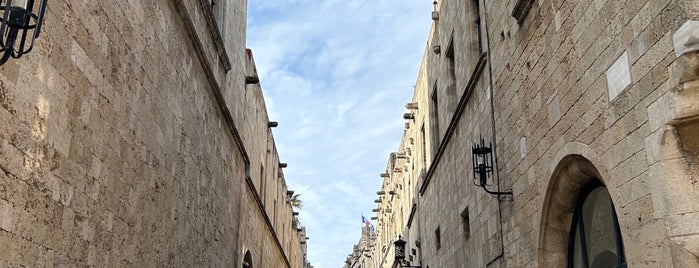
column 571, row 173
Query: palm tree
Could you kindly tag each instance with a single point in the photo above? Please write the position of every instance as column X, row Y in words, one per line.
column 295, row 201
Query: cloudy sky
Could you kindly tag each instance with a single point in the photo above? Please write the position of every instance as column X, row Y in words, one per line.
column 337, row 74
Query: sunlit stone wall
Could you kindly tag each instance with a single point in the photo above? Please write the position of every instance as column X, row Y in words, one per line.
column 581, row 90
column 129, row 138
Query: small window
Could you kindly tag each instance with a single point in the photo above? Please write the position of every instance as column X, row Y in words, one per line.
column 434, row 120
column 451, row 66
column 217, row 8
column 438, row 238
column 465, row 220
column 595, row 239
column 521, row 10
column 247, row 260
column 263, row 184
column 476, row 15
column 424, row 147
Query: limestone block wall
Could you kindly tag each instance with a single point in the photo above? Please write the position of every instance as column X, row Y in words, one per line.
column 266, row 183
column 404, row 171
column 580, row 90
column 560, row 91
column 126, row 139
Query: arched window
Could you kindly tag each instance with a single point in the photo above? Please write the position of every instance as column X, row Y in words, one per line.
column 595, row 240
column 247, row 260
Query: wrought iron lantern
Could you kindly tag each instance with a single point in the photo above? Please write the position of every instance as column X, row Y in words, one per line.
column 18, row 18
column 482, row 163
column 400, row 253
column 483, row 166
column 400, row 249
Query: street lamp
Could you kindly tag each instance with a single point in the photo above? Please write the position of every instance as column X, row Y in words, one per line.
column 483, row 166
column 17, row 19
column 400, row 253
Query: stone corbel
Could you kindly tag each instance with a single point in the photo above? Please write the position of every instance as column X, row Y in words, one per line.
column 686, row 39
column 673, row 150
column 684, row 72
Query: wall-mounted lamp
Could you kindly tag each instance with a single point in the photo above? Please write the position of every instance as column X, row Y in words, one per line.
column 17, row 19
column 435, row 13
column 399, row 251
column 483, row 166
column 251, row 79
column 272, row 124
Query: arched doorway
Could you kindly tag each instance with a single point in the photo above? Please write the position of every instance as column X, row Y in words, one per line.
column 579, row 227
column 247, row 260
column 594, row 239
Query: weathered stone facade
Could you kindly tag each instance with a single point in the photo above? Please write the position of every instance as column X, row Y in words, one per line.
column 129, row 137
column 565, row 93
column 361, row 254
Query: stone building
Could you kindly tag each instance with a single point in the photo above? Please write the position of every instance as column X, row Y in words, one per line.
column 135, row 134
column 361, row 253
column 590, row 109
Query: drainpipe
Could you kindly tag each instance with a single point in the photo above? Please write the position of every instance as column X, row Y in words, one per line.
column 492, row 121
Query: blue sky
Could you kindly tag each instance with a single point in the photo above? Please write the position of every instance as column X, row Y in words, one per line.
column 337, row 74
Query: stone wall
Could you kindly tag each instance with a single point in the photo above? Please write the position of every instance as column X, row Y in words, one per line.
column 575, row 91
column 129, row 138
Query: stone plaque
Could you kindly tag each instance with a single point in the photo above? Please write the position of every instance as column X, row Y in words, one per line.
column 618, row 76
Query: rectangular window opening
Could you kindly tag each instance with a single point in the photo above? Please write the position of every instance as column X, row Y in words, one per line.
column 475, row 7
column 424, row 147
column 450, row 60
column 217, row 9
column 438, row 238
column 466, row 222
column 434, row 120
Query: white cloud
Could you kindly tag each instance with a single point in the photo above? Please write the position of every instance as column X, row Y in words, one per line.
column 336, row 75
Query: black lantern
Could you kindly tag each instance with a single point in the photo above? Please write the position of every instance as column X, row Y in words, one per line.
column 400, row 253
column 18, row 18
column 482, row 163
column 400, row 249
column 483, row 166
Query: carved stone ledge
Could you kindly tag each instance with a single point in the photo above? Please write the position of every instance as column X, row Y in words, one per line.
column 686, row 39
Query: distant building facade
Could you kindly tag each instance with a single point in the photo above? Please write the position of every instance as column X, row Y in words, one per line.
column 591, row 111
column 361, row 253
column 135, row 134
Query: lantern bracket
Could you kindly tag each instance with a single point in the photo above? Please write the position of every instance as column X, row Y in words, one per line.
column 483, row 166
